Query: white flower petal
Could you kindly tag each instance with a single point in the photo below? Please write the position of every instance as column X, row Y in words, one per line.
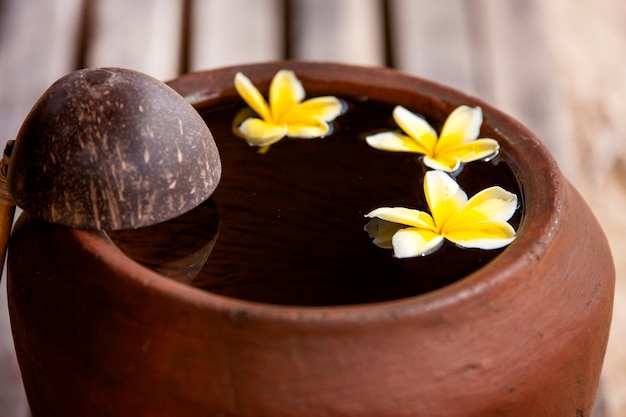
column 443, row 195
column 403, row 215
column 326, row 108
column 495, row 203
column 443, row 163
column 388, row 141
column 411, row 242
column 315, row 128
column 479, row 149
column 382, row 232
column 257, row 132
column 252, row 96
column 413, row 125
column 462, row 125
column 485, row 235
column 286, row 92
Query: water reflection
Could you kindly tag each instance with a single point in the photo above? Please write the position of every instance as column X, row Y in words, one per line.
column 178, row 248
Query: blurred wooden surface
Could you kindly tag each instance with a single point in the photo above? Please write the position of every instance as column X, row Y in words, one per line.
column 556, row 65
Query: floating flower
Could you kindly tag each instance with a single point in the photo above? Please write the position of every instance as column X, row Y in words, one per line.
column 480, row 222
column 457, row 143
column 286, row 114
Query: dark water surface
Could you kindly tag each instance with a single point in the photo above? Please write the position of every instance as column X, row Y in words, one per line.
column 291, row 220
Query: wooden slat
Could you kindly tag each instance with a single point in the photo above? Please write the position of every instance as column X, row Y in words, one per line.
column 523, row 74
column 144, row 35
column 38, row 44
column 12, row 397
column 350, row 31
column 497, row 50
column 433, row 41
column 589, row 40
column 235, row 31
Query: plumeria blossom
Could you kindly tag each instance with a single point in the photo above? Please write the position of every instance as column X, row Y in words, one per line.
column 287, row 113
column 480, row 222
column 456, row 144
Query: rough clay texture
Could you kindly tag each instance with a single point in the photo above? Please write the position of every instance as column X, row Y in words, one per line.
column 523, row 336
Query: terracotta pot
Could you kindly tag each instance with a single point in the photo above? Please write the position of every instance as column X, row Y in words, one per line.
column 97, row 334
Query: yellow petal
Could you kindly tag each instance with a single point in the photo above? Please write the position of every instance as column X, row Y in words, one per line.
column 444, row 162
column 382, row 232
column 411, row 242
column 417, row 128
column 258, row 132
column 325, row 108
column 443, row 195
column 252, row 96
column 390, row 141
column 475, row 150
column 491, row 204
column 314, row 128
column 286, row 92
column 462, row 125
column 241, row 116
column 406, row 216
column 495, row 203
column 485, row 235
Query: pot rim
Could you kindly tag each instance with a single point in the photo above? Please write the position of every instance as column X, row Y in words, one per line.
column 543, row 195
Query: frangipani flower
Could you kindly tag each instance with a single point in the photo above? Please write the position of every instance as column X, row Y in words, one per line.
column 457, row 143
column 480, row 222
column 286, row 114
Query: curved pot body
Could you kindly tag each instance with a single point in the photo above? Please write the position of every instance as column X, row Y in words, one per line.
column 99, row 335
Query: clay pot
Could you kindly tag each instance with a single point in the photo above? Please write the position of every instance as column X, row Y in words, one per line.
column 97, row 334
